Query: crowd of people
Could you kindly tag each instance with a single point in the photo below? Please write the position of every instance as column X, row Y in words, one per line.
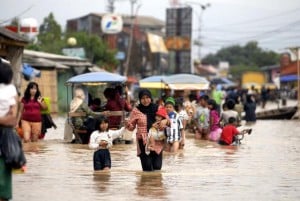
column 159, row 125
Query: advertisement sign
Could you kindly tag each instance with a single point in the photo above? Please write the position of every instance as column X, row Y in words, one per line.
column 156, row 43
column 111, row 23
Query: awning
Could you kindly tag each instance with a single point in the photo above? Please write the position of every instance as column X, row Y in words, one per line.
column 153, row 82
column 97, row 78
column 186, row 81
column 288, row 78
column 188, row 86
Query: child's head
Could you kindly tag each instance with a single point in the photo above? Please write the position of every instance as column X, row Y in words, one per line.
column 170, row 104
column 203, row 100
column 102, row 124
column 232, row 120
column 212, row 105
column 230, row 104
column 6, row 73
column 161, row 114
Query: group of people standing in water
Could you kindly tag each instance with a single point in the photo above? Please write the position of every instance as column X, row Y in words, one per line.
column 160, row 126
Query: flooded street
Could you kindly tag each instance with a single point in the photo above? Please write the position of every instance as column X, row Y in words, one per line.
column 264, row 167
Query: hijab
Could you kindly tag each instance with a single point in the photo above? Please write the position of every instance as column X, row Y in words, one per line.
column 150, row 110
column 77, row 100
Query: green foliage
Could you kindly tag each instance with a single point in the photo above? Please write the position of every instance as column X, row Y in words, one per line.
column 96, row 50
column 249, row 55
column 51, row 39
column 247, row 58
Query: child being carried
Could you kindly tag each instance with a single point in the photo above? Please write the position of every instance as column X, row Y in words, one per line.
column 154, row 132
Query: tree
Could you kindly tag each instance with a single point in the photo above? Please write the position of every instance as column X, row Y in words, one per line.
column 241, row 59
column 96, row 50
column 50, row 36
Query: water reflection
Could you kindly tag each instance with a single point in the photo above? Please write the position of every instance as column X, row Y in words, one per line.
column 264, row 167
column 150, row 185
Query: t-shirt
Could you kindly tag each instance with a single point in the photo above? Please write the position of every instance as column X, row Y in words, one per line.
column 225, row 115
column 31, row 111
column 108, row 136
column 8, row 93
column 202, row 117
column 228, row 133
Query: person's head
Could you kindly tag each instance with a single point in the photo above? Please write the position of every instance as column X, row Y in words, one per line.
column 161, row 114
column 102, row 123
column 203, row 100
column 109, row 93
column 32, row 90
column 97, row 101
column 179, row 103
column 145, row 97
column 212, row 105
column 79, row 93
column 170, row 104
column 6, row 73
column 230, row 104
column 232, row 121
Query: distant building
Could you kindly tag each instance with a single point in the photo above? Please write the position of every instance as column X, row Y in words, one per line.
column 142, row 61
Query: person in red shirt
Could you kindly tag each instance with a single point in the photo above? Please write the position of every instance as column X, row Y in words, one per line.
column 229, row 132
column 30, row 110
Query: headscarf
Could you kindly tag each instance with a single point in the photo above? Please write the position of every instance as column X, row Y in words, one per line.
column 77, row 100
column 150, row 110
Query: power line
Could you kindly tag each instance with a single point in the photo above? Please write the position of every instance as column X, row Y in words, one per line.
column 17, row 16
column 257, row 19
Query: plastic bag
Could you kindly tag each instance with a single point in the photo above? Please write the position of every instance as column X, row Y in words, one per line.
column 11, row 148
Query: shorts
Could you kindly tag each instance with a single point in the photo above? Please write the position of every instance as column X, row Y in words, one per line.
column 102, row 159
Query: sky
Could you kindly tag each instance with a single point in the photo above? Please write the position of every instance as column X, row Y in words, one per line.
column 273, row 23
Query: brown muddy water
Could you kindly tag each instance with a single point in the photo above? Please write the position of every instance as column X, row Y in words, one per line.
column 264, row 167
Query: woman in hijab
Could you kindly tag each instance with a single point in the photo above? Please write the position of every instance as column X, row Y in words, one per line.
column 142, row 117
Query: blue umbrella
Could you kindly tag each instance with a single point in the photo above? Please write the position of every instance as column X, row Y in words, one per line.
column 97, row 78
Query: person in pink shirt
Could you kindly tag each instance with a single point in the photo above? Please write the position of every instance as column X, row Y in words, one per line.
column 214, row 121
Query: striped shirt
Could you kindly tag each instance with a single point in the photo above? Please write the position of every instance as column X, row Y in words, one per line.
column 174, row 131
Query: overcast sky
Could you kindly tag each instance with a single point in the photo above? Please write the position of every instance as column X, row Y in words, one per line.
column 275, row 24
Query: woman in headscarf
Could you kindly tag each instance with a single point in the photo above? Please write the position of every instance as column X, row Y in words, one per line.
column 142, row 117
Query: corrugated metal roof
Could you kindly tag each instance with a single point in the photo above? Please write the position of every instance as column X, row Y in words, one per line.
column 12, row 35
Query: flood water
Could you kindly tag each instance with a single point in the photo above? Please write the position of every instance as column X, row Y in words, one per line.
column 265, row 167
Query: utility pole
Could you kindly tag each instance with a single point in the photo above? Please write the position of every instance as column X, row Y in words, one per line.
column 132, row 21
column 111, row 7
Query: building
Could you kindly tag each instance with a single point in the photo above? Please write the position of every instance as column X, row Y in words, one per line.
column 142, row 61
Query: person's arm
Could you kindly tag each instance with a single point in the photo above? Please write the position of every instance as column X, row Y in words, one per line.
column 116, row 133
column 42, row 103
column 10, row 119
column 93, row 143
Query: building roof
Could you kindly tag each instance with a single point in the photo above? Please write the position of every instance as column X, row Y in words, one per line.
column 44, row 59
column 141, row 20
column 290, row 69
column 12, row 35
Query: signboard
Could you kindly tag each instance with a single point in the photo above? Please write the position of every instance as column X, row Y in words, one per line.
column 111, row 23
column 120, row 55
column 74, row 52
column 156, row 43
column 178, row 43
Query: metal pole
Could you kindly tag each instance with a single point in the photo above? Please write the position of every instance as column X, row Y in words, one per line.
column 130, row 40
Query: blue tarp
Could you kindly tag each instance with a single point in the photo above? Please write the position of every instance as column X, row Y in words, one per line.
column 29, row 72
column 97, row 77
column 288, row 78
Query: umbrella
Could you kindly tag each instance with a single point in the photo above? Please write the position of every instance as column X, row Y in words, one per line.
column 186, row 81
column 95, row 78
column 153, row 82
